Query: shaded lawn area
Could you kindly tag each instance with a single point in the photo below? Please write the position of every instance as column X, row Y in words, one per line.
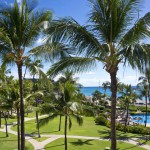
column 144, row 140
column 87, row 129
column 10, row 143
column 80, row 144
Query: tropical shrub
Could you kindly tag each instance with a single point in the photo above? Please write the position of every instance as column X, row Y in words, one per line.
column 137, row 129
column 101, row 120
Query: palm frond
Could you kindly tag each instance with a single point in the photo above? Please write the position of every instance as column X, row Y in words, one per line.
column 78, row 118
column 140, row 53
column 51, row 51
column 138, row 32
column 67, row 30
column 47, row 108
column 70, row 122
column 74, row 64
column 46, row 120
column 109, row 19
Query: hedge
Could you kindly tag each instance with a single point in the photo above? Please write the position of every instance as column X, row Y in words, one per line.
column 138, row 129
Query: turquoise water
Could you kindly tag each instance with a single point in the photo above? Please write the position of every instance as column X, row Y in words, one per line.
column 89, row 90
column 141, row 118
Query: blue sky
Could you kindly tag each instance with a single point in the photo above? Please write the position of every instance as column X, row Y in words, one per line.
column 79, row 9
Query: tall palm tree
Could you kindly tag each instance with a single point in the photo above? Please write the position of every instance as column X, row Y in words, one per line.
column 34, row 68
column 64, row 105
column 112, row 36
column 20, row 27
column 144, row 87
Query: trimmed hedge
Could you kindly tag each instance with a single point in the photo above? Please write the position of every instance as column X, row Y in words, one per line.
column 138, row 129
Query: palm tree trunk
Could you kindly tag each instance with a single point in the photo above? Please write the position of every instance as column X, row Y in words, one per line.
column 59, row 123
column 65, row 132
column 21, row 107
column 0, row 119
column 113, row 108
column 37, row 118
column 37, row 121
column 4, row 114
column 18, row 127
column 11, row 112
column 146, row 112
column 126, row 121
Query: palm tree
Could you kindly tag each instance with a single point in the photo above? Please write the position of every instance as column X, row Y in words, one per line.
column 106, row 85
column 3, row 78
column 112, row 36
column 34, row 68
column 21, row 25
column 64, row 105
column 128, row 96
column 144, row 87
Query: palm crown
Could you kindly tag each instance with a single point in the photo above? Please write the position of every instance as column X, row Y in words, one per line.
column 112, row 35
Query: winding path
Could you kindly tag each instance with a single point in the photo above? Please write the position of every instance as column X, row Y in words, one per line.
column 40, row 145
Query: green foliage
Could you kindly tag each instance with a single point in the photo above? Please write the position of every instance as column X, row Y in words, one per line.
column 137, row 129
column 101, row 120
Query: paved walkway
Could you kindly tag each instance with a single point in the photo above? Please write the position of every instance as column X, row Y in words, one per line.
column 40, row 145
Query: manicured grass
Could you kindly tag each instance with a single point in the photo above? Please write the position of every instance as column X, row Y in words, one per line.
column 87, row 129
column 80, row 144
column 30, row 115
column 10, row 143
column 9, row 121
column 40, row 139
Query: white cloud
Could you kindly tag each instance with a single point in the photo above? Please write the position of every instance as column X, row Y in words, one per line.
column 91, row 72
column 130, row 79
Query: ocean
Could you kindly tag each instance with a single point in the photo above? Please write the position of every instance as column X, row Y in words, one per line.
column 87, row 91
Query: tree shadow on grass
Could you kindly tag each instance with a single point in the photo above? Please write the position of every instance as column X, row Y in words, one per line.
column 81, row 142
column 123, row 135
column 104, row 133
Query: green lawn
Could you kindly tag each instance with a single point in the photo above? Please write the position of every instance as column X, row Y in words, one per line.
column 30, row 115
column 10, row 143
column 87, row 129
column 144, row 140
column 80, row 144
column 41, row 138
column 9, row 121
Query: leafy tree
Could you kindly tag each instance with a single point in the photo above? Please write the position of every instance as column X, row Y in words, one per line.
column 112, row 36
column 21, row 26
